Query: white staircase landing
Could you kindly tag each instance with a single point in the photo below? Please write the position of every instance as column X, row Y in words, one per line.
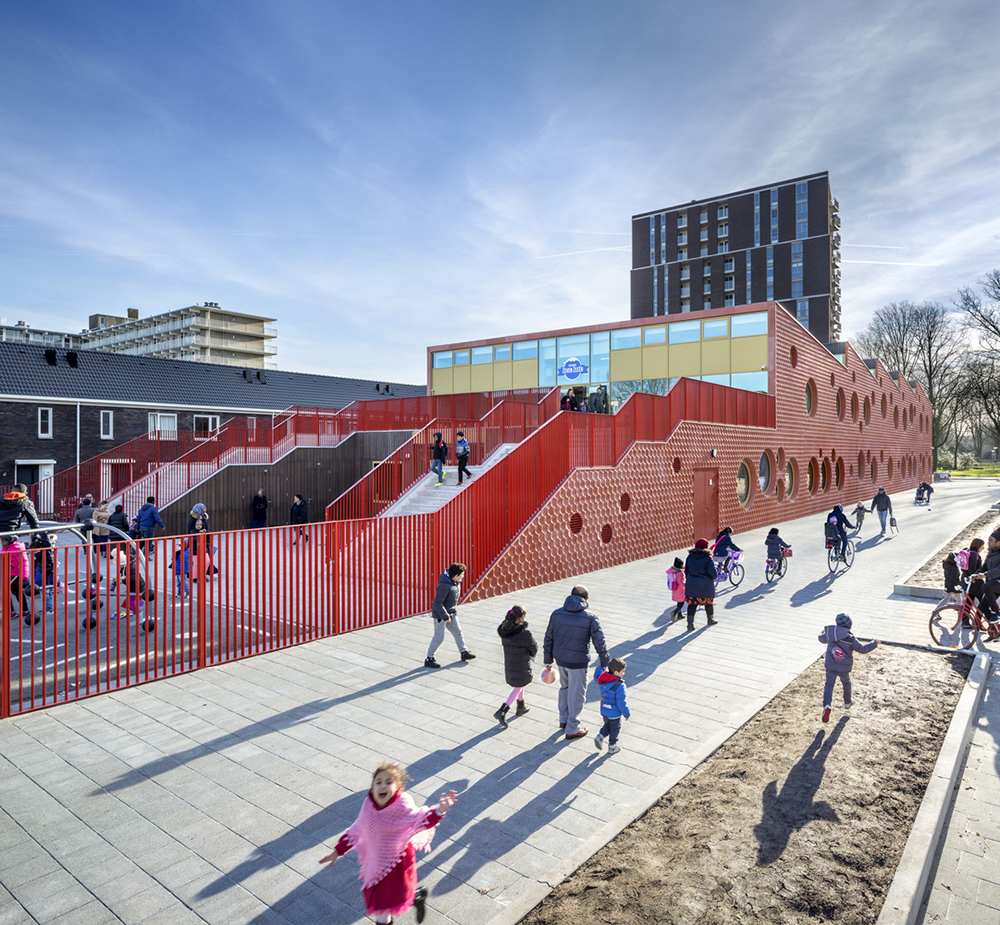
column 425, row 497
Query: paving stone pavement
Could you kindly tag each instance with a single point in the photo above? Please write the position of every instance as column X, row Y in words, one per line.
column 209, row 797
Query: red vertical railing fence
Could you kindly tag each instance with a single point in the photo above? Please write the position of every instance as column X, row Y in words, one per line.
column 206, row 600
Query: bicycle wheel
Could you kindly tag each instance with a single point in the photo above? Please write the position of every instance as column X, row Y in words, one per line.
column 947, row 630
column 782, row 567
column 770, row 573
column 849, row 554
column 832, row 558
column 736, row 575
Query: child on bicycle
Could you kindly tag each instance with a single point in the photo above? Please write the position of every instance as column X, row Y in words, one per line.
column 776, row 546
column 840, row 648
column 723, row 546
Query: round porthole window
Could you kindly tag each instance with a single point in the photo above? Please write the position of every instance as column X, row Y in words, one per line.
column 790, row 485
column 764, row 472
column 743, row 484
column 810, row 398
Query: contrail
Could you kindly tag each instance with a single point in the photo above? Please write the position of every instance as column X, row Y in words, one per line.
column 592, row 251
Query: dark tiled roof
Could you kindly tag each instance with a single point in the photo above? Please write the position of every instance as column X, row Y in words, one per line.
column 145, row 381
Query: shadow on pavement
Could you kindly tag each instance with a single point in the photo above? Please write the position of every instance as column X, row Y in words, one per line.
column 813, row 591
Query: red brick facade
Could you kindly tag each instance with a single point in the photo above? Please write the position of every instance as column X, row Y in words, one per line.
column 644, row 506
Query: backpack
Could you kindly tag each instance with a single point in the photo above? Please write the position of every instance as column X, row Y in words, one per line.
column 963, row 559
column 672, row 581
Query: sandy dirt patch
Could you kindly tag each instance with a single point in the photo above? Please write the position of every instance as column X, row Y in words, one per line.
column 791, row 821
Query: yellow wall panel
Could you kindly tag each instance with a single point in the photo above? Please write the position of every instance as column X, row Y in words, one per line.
column 655, row 362
column 502, row 375
column 715, row 356
column 441, row 381
column 749, row 354
column 482, row 378
column 685, row 359
column 524, row 374
column 462, row 381
column 626, row 364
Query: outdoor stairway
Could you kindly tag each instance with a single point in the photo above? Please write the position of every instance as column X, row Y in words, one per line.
column 425, row 497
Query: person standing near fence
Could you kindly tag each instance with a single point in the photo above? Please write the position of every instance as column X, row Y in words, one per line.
column 19, row 576
column 298, row 516
column 462, row 450
column 259, row 506
column 149, row 519
column 445, row 614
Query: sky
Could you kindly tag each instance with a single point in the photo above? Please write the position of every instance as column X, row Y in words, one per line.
column 384, row 176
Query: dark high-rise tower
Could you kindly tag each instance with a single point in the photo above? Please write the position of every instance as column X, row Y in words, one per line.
column 779, row 242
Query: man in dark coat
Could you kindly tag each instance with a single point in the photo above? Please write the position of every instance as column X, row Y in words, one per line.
column 149, row 519
column 699, row 583
column 259, row 505
column 882, row 503
column 445, row 614
column 16, row 507
column 571, row 630
column 599, row 401
column 439, row 455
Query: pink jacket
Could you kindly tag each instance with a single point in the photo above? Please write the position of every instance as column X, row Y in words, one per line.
column 678, row 591
column 17, row 561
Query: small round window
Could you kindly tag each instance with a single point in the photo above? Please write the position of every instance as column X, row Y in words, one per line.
column 790, row 485
column 854, row 406
column 743, row 483
column 838, row 473
column 824, row 475
column 883, row 408
column 812, row 476
column 810, row 398
column 867, row 410
column 840, row 404
column 764, row 472
column 874, row 471
column 861, row 467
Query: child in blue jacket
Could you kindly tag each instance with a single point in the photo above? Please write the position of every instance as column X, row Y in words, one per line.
column 614, row 704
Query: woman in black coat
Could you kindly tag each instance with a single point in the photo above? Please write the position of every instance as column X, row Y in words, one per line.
column 699, row 583
column 519, row 648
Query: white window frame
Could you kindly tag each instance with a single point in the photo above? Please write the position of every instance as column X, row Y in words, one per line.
column 107, row 425
column 213, row 424
column 156, row 422
column 45, row 433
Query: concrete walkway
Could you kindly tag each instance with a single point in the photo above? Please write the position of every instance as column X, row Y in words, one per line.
column 209, row 797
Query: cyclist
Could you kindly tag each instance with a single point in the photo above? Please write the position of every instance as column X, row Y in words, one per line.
column 991, row 573
column 723, row 546
column 775, row 545
column 839, row 520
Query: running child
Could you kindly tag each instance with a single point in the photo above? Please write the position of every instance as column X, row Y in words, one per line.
column 519, row 648
column 614, row 704
column 840, row 648
column 386, row 834
column 675, row 582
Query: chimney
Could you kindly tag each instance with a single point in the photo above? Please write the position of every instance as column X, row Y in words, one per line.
column 133, row 314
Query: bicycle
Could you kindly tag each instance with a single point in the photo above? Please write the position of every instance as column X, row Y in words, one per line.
column 776, row 568
column 730, row 568
column 957, row 626
column 833, row 558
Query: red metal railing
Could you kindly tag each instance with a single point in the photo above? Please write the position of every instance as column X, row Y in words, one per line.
column 129, row 473
column 255, row 591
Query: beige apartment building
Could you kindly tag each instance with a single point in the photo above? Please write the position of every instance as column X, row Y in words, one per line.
column 200, row 333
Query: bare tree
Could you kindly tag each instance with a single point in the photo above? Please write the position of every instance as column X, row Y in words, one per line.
column 983, row 317
column 891, row 336
column 921, row 341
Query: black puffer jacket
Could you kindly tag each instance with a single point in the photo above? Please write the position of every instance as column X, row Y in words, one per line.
column 15, row 506
column 700, row 573
column 519, row 648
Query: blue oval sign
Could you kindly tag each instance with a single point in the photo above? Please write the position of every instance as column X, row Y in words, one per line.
column 572, row 368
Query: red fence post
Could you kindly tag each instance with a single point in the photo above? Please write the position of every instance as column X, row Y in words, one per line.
column 5, row 672
column 203, row 579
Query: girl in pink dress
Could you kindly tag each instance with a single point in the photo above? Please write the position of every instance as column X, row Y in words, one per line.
column 386, row 834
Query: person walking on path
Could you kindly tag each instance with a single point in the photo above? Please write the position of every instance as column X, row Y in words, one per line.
column 519, row 648
column 298, row 516
column 198, row 512
column 149, row 519
column 387, row 833
column 599, row 401
column 445, row 614
column 614, row 704
column 675, row 582
column 882, row 503
column 840, row 648
column 571, row 630
column 259, row 505
column 699, row 583
column 462, row 455
column 439, row 455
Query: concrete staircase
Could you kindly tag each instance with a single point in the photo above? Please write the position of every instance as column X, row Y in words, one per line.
column 425, row 497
